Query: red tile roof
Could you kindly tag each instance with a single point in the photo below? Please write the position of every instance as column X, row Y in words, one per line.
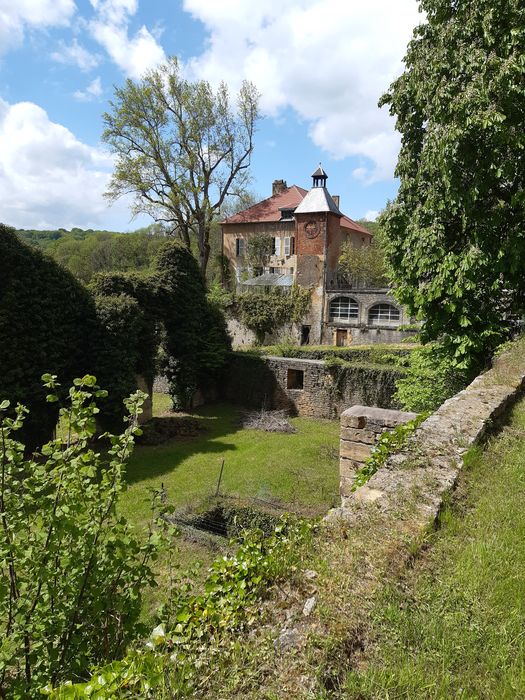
column 270, row 210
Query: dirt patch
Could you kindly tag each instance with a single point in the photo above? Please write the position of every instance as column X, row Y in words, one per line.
column 164, row 428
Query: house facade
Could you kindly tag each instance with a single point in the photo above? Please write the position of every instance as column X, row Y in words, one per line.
column 308, row 230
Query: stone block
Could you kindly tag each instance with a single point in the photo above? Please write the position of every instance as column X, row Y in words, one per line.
column 354, row 450
column 359, row 416
column 358, row 435
column 345, row 486
column 352, row 421
column 348, row 467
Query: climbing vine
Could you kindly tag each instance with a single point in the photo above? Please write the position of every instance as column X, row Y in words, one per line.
column 389, row 442
column 266, row 312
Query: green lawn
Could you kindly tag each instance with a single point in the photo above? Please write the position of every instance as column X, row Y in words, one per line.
column 300, row 470
column 455, row 627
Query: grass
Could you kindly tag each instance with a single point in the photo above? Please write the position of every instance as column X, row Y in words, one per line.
column 298, row 470
column 454, row 626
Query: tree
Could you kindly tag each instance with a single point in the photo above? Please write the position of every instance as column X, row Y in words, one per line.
column 365, row 265
column 180, row 149
column 454, row 235
column 72, row 571
column 259, row 249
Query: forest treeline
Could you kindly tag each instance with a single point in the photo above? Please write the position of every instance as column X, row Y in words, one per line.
column 86, row 252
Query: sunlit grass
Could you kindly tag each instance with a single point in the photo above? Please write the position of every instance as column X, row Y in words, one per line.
column 455, row 628
column 299, row 470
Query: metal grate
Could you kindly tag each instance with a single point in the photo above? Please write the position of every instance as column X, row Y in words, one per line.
column 383, row 312
column 343, row 309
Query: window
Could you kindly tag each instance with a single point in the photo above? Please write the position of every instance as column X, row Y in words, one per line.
column 287, row 246
column 383, row 313
column 286, row 214
column 295, row 379
column 239, row 247
column 343, row 309
column 277, row 246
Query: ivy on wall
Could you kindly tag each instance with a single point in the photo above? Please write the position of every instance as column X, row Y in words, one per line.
column 266, row 312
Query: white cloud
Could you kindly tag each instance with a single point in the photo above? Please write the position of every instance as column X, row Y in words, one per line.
column 48, row 178
column 17, row 15
column 92, row 92
column 330, row 60
column 371, row 215
column 76, row 55
column 134, row 55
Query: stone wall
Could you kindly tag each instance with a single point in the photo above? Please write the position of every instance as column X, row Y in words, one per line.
column 324, row 392
column 431, row 462
column 242, row 337
column 359, row 330
column 361, row 427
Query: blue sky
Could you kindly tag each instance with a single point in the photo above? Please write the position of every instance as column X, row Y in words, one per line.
column 320, row 66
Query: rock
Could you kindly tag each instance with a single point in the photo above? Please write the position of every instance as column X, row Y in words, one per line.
column 309, row 606
column 310, row 574
column 288, row 639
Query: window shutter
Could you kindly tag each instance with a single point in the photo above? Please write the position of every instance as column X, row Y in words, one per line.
column 292, row 245
column 278, row 246
column 287, row 246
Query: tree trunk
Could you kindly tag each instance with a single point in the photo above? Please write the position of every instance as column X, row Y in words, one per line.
column 204, row 247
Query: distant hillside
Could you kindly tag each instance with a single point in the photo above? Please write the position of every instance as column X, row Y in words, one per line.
column 86, row 252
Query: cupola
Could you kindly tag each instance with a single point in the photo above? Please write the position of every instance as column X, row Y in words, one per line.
column 319, row 177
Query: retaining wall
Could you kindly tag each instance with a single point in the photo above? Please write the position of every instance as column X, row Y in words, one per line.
column 361, row 427
column 324, row 391
column 433, row 457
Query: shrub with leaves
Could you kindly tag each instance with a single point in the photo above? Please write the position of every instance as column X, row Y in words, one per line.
column 47, row 321
column 432, row 376
column 199, row 631
column 265, row 313
column 196, row 341
column 71, row 570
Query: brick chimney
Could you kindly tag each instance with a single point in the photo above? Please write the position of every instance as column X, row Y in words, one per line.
column 278, row 186
column 335, row 197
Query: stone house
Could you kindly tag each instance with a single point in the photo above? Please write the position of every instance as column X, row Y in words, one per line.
column 308, row 230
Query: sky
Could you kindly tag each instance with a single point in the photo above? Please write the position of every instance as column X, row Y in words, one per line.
column 319, row 65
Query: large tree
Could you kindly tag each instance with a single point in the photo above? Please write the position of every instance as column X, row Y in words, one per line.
column 456, row 234
column 181, row 149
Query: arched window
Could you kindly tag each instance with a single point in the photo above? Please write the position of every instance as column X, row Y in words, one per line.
column 343, row 309
column 383, row 313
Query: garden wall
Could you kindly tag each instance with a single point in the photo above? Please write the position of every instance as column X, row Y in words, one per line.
column 307, row 387
column 431, row 462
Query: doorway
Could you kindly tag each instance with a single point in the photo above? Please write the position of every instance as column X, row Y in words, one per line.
column 341, row 337
column 305, row 335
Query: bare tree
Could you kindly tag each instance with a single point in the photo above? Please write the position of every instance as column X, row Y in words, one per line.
column 180, row 149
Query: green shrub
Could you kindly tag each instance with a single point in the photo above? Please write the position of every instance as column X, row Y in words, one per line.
column 146, row 289
column 197, row 631
column 47, row 322
column 431, row 378
column 196, row 340
column 71, row 571
column 266, row 312
column 116, row 348
column 176, row 323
